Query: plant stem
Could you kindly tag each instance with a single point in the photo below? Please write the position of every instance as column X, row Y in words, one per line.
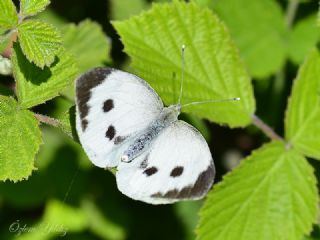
column 291, row 12
column 47, row 120
column 8, row 50
column 265, row 128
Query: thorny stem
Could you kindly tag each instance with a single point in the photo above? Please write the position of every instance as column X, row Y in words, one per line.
column 265, row 128
column 47, row 120
column 8, row 50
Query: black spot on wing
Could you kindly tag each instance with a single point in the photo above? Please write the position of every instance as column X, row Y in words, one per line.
column 197, row 190
column 111, row 132
column 84, row 84
column 84, row 124
column 119, row 139
column 144, row 163
column 177, row 171
column 108, row 105
column 150, row 171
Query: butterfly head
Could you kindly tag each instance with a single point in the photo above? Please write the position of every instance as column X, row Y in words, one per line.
column 170, row 114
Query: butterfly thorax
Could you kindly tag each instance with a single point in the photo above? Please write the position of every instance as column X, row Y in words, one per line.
column 143, row 140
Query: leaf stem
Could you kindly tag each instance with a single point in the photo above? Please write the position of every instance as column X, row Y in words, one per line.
column 8, row 50
column 47, row 120
column 265, row 128
column 291, row 12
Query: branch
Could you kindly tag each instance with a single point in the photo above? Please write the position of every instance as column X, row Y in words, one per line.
column 47, row 120
column 265, row 128
column 8, row 50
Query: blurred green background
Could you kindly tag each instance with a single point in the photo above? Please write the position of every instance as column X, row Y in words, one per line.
column 82, row 200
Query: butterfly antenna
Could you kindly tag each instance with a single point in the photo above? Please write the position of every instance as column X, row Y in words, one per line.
column 182, row 72
column 210, row 101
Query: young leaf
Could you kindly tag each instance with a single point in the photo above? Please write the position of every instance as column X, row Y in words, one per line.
column 302, row 117
column 39, row 41
column 213, row 69
column 8, row 14
column 303, row 38
column 20, row 138
column 35, row 85
column 32, row 7
column 271, row 195
column 88, row 43
column 257, row 30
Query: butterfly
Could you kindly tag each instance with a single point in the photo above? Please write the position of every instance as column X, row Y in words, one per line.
column 122, row 123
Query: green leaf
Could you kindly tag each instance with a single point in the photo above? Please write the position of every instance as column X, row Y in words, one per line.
column 8, row 14
column 303, row 113
column 271, row 195
column 59, row 220
column 39, row 41
column 126, row 8
column 20, row 139
column 187, row 212
column 100, row 225
column 52, row 17
column 303, row 38
column 71, row 218
column 35, row 85
column 88, row 43
column 68, row 124
column 32, row 7
column 213, row 69
column 204, row 3
column 259, row 32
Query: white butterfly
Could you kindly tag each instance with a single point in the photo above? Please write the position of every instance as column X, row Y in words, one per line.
column 121, row 122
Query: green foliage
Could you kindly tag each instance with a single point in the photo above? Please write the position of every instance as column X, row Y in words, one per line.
column 214, row 69
column 257, row 29
column 127, row 8
column 88, row 43
column 100, row 225
column 20, row 140
column 271, row 195
column 303, row 113
column 32, row 7
column 35, row 85
column 68, row 123
column 8, row 14
column 40, row 42
column 303, row 37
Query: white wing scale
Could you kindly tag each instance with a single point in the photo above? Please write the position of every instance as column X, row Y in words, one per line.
column 177, row 166
column 112, row 106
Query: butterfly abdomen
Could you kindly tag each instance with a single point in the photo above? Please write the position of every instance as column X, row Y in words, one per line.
column 143, row 141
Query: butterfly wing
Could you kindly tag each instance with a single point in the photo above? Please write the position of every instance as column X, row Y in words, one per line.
column 178, row 166
column 111, row 107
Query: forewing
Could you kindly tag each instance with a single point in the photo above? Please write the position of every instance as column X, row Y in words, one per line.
column 112, row 106
column 178, row 166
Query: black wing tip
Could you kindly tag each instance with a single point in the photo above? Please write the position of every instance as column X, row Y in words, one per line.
column 93, row 77
column 195, row 191
column 84, row 84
